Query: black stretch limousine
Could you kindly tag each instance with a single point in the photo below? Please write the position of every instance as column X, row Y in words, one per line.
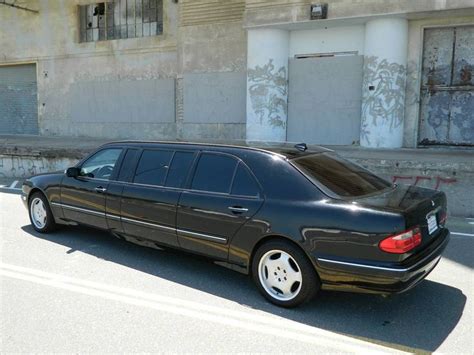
column 296, row 220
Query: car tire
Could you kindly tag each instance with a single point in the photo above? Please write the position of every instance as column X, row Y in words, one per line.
column 41, row 216
column 284, row 274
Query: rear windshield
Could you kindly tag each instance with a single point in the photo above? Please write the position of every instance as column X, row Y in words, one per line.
column 340, row 176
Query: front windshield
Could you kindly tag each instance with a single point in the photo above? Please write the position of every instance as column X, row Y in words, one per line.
column 340, row 176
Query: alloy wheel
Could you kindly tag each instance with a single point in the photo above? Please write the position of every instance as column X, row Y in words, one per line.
column 280, row 275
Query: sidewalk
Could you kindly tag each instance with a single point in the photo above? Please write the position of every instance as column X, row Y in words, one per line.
column 447, row 169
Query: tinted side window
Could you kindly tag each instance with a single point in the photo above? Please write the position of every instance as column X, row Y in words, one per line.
column 179, row 168
column 153, row 167
column 214, row 173
column 128, row 165
column 101, row 165
column 244, row 183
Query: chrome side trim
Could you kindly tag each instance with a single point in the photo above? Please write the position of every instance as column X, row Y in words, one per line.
column 74, row 208
column 365, row 266
column 202, row 236
column 113, row 216
column 148, row 224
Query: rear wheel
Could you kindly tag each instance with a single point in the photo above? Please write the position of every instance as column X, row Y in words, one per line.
column 41, row 217
column 283, row 274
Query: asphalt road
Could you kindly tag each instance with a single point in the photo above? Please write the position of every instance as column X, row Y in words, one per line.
column 80, row 290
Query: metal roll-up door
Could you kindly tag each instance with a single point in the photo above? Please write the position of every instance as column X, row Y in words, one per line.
column 18, row 99
column 324, row 101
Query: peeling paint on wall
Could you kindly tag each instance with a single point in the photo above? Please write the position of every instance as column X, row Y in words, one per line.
column 447, row 90
column 462, row 117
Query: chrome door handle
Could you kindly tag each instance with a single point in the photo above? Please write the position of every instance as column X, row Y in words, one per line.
column 100, row 189
column 237, row 209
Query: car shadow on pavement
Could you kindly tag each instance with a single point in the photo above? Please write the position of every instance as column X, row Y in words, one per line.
column 418, row 320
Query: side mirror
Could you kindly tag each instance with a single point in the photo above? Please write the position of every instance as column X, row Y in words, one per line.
column 73, row 172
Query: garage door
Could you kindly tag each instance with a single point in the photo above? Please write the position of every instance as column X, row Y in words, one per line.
column 324, row 99
column 18, row 101
column 447, row 91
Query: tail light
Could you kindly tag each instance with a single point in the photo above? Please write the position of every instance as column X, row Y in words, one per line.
column 401, row 243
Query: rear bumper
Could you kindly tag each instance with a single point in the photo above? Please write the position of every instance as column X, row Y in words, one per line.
column 381, row 278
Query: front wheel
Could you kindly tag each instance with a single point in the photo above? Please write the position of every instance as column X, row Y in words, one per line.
column 283, row 274
column 41, row 216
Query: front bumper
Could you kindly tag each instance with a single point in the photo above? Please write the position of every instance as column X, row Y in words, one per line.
column 381, row 278
column 24, row 199
column 25, row 189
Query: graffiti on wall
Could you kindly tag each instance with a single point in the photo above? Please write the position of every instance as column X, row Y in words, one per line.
column 434, row 182
column 383, row 100
column 20, row 167
column 268, row 90
column 16, row 166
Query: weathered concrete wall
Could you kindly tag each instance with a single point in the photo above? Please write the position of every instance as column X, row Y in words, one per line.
column 327, row 40
column 309, row 36
column 133, row 88
column 24, row 166
column 54, row 32
column 112, row 89
column 200, row 37
column 212, row 53
column 214, row 97
column 454, row 179
column 122, row 96
column 262, row 12
column 444, row 170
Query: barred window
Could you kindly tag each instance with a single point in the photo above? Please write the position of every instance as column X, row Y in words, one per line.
column 117, row 19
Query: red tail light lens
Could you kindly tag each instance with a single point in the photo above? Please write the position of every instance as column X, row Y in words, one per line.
column 401, row 243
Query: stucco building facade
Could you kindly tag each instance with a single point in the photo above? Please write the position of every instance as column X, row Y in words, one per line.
column 373, row 73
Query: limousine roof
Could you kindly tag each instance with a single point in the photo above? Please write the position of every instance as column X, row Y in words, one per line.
column 286, row 150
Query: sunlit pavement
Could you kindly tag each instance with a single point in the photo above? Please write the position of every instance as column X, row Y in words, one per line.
column 80, row 290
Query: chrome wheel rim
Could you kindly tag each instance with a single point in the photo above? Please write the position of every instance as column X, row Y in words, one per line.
column 38, row 213
column 280, row 275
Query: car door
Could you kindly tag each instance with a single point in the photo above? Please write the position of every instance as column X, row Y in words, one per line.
column 83, row 197
column 114, row 191
column 148, row 204
column 222, row 195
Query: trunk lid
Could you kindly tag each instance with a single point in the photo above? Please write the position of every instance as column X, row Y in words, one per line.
column 418, row 206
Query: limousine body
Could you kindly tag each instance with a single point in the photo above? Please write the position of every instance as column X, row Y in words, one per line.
column 297, row 220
